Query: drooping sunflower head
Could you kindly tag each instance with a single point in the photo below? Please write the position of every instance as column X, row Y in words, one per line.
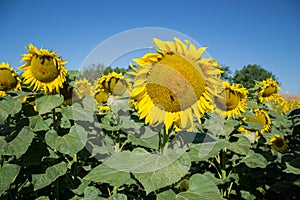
column 231, row 101
column 9, row 79
column 278, row 143
column 174, row 83
column 82, row 87
column 43, row 70
column 111, row 84
column 261, row 117
column 268, row 90
column 280, row 105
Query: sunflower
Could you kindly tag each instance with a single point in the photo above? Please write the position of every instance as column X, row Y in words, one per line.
column 111, row 84
column 82, row 88
column 8, row 79
column 280, row 104
column 261, row 117
column 234, row 102
column 268, row 90
column 43, row 70
column 174, row 83
column 278, row 143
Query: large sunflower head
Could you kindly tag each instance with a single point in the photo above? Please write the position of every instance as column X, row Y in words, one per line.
column 111, row 84
column 43, row 70
column 231, row 101
column 8, row 79
column 278, row 143
column 261, row 117
column 268, row 90
column 174, row 83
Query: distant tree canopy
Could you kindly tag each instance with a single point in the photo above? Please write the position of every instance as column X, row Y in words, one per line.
column 248, row 74
column 94, row 71
column 226, row 75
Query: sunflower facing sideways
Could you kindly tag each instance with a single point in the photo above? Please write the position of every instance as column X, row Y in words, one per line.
column 8, row 79
column 268, row 90
column 234, row 102
column 278, row 143
column 111, row 84
column 43, row 70
column 261, row 117
column 174, row 83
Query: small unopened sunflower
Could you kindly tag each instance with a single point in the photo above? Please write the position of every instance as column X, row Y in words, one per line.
column 261, row 117
column 111, row 84
column 268, row 90
column 43, row 70
column 278, row 143
column 232, row 100
column 9, row 80
column 174, row 83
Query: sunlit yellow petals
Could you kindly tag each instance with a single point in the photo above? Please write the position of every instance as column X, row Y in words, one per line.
column 9, row 81
column 170, row 86
column 268, row 90
column 43, row 70
column 231, row 101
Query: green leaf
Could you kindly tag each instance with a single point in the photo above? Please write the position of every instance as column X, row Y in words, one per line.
column 105, row 174
column 19, row 144
column 158, row 171
column 148, row 138
column 77, row 113
column 168, row 194
column 37, row 123
column 291, row 169
column 247, row 195
column 42, row 198
column 70, row 143
column 204, row 186
column 206, row 150
column 9, row 106
column 91, row 193
column 195, row 196
column 254, row 160
column 52, row 173
column 118, row 196
column 242, row 146
column 46, row 103
column 8, row 174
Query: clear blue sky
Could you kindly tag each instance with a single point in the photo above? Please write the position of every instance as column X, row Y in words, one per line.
column 237, row 33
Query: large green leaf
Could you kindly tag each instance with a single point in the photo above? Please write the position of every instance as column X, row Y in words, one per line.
column 206, row 150
column 293, row 167
column 77, row 113
column 254, row 160
column 52, row 173
column 242, row 146
column 158, row 171
column 204, row 186
column 37, row 123
column 91, row 193
column 19, row 144
column 9, row 106
column 46, row 103
column 105, row 174
column 70, row 143
column 8, row 173
column 148, row 138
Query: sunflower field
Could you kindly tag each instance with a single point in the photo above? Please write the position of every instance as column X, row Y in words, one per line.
column 170, row 128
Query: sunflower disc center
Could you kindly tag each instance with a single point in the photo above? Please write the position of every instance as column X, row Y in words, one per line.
column 269, row 90
column 44, row 68
column 175, row 83
column 278, row 143
column 7, row 80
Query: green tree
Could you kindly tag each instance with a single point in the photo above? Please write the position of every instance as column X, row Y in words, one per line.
column 226, row 75
column 251, row 73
